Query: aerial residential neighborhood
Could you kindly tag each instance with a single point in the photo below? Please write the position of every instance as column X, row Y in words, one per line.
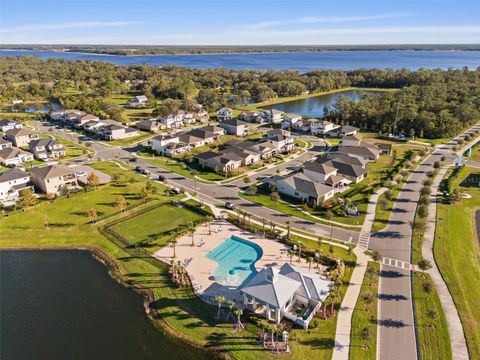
column 173, row 187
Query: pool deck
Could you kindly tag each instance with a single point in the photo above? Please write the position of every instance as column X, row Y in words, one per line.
column 200, row 268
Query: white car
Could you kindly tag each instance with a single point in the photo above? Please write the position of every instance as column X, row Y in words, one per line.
column 80, row 173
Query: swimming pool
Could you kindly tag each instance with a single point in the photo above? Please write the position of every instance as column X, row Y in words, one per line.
column 236, row 259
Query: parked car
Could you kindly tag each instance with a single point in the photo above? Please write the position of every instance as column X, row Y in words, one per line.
column 161, row 178
column 142, row 171
column 229, row 206
column 176, row 190
column 80, row 173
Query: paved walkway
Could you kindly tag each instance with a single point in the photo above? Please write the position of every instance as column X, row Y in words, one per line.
column 455, row 329
column 344, row 321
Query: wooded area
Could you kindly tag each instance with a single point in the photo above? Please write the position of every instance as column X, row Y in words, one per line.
column 430, row 103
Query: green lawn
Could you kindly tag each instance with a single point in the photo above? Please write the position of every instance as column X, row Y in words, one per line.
column 287, row 207
column 457, row 255
column 433, row 339
column 129, row 141
column 160, row 221
column 476, row 152
column 364, row 345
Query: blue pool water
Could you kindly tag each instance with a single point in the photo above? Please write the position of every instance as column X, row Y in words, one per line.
column 236, row 259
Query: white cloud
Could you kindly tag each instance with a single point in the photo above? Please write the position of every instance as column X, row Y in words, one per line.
column 320, row 20
column 68, row 25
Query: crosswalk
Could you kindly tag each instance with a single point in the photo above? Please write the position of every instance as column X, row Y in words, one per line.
column 364, row 239
column 398, row 264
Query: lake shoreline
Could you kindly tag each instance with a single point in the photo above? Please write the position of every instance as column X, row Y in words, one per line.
column 147, row 295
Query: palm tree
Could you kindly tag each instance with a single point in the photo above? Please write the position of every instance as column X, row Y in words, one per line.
column 173, row 242
column 209, row 220
column 376, row 256
column 219, row 300
column 263, row 325
column 333, row 297
column 288, row 222
column 309, row 261
column 239, row 325
column 299, row 250
column 191, row 231
column 424, row 264
column 291, row 253
column 230, row 305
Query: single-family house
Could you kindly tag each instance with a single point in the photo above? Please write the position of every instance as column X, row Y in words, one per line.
column 344, row 130
column 20, row 137
column 5, row 144
column 138, row 101
column 289, row 120
column 6, row 125
column 385, row 149
column 287, row 292
column 281, row 139
column 224, row 162
column 302, row 125
column 273, row 116
column 300, row 186
column 251, row 116
column 323, row 127
column 224, row 114
column 47, row 149
column 369, row 153
column 148, row 125
column 234, row 127
column 201, row 116
column 11, row 183
column 116, row 132
column 12, row 156
column 54, row 179
column 326, row 174
column 214, row 129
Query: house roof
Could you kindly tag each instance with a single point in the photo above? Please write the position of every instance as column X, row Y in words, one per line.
column 304, row 184
column 363, row 151
column 7, row 122
column 11, row 175
column 4, row 141
column 276, row 132
column 346, row 168
column 348, row 128
column 287, row 281
column 321, row 168
column 206, row 155
column 233, row 122
column 11, row 153
column 352, row 137
column 43, row 142
column 276, row 292
column 212, row 128
column 384, row 146
column 224, row 109
column 51, row 171
column 344, row 158
column 19, row 132
column 201, row 133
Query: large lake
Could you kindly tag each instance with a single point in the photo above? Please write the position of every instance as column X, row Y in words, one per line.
column 302, row 61
column 64, row 305
column 314, row 106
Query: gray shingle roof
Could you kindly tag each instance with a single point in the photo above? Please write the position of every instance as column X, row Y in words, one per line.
column 14, row 174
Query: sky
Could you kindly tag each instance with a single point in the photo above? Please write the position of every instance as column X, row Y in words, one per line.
column 239, row 22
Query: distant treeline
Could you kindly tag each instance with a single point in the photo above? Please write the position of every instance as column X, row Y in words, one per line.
column 430, row 103
column 226, row 49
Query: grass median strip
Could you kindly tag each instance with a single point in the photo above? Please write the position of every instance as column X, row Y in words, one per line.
column 363, row 336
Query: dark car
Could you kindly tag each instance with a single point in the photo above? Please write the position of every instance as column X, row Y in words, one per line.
column 140, row 170
column 161, row 177
column 229, row 206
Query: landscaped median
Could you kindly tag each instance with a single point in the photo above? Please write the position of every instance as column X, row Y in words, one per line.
column 363, row 337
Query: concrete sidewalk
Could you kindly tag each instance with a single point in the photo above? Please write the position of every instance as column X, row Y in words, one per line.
column 344, row 321
column 455, row 329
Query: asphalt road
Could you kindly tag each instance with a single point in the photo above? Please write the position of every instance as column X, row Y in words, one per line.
column 396, row 327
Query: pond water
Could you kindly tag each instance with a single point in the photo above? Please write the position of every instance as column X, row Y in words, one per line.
column 64, row 305
column 314, row 106
column 302, row 61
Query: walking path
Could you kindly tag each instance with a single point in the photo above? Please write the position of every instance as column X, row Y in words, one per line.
column 455, row 329
column 344, row 321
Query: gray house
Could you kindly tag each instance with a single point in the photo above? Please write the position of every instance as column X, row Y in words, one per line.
column 288, row 292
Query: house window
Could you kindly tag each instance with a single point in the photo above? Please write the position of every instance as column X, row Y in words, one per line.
column 269, row 278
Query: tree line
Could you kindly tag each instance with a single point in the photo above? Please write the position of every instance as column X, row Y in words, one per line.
column 431, row 103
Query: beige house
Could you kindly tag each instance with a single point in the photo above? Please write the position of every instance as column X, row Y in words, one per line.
column 54, row 179
column 20, row 137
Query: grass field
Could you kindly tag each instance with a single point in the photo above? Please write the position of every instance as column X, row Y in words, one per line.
column 363, row 345
column 457, row 255
column 476, row 152
column 160, row 221
column 432, row 330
